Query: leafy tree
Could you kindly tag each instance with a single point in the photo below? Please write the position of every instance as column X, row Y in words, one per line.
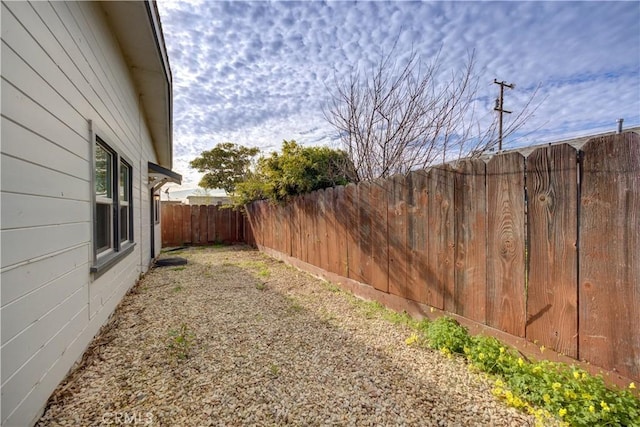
column 225, row 165
column 296, row 170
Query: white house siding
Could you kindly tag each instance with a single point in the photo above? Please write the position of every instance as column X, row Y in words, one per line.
column 61, row 70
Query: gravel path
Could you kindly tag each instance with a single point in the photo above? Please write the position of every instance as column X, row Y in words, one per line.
column 237, row 338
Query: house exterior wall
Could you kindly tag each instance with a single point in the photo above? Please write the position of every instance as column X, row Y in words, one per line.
column 63, row 75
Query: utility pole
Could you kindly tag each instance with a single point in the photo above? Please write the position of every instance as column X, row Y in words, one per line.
column 499, row 107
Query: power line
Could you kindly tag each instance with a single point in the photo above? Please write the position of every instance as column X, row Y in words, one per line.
column 499, row 106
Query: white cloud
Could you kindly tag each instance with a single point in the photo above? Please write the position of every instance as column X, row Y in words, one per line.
column 255, row 73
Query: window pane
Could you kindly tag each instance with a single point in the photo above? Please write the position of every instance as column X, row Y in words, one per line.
column 124, row 223
column 103, row 172
column 124, row 181
column 103, row 227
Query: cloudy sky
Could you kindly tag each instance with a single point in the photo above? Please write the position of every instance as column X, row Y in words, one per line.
column 256, row 73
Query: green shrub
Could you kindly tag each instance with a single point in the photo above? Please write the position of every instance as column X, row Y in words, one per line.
column 448, row 335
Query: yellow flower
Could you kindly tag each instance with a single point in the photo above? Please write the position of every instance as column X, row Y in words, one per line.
column 562, row 412
column 576, row 374
column 592, row 409
column 411, row 340
column 556, row 386
column 632, row 386
column 537, row 369
column 546, row 398
column 481, row 356
column 501, row 350
column 604, row 406
column 520, row 361
column 499, row 383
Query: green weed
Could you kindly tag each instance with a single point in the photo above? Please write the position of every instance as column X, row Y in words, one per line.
column 181, row 342
column 274, row 369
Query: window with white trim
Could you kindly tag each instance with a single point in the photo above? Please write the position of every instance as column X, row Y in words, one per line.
column 113, row 219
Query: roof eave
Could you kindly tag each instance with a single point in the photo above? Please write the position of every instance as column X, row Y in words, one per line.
column 137, row 27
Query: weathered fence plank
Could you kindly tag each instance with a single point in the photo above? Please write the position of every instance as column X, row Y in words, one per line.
column 342, row 263
column 332, row 237
column 441, row 235
column 304, row 228
column 552, row 306
column 321, row 214
column 506, row 298
column 212, row 211
column 353, row 231
column 364, row 232
column 203, row 237
column 418, row 274
column 379, row 236
column 310, row 210
column 609, row 290
column 470, row 291
column 397, row 235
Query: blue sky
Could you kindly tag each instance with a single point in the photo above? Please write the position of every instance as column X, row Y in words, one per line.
column 256, row 73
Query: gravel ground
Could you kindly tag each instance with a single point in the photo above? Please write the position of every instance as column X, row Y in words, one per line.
column 237, row 338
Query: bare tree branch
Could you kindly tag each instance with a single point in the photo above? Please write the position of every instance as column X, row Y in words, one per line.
column 398, row 118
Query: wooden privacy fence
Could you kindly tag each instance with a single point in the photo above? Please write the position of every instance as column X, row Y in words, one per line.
column 202, row 225
column 543, row 247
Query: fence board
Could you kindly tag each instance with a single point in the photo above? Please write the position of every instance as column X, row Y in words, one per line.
column 310, row 209
column 342, row 265
column 505, row 247
column 552, row 316
column 332, row 242
column 609, row 290
column 321, row 214
column 470, row 292
column 364, row 232
column 277, row 240
column 195, row 224
column 166, row 219
column 186, row 224
column 379, row 236
column 418, row 275
column 177, row 225
column 295, row 228
column 304, row 228
column 397, row 235
column 212, row 212
column 353, row 232
column 441, row 235
column 204, row 225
